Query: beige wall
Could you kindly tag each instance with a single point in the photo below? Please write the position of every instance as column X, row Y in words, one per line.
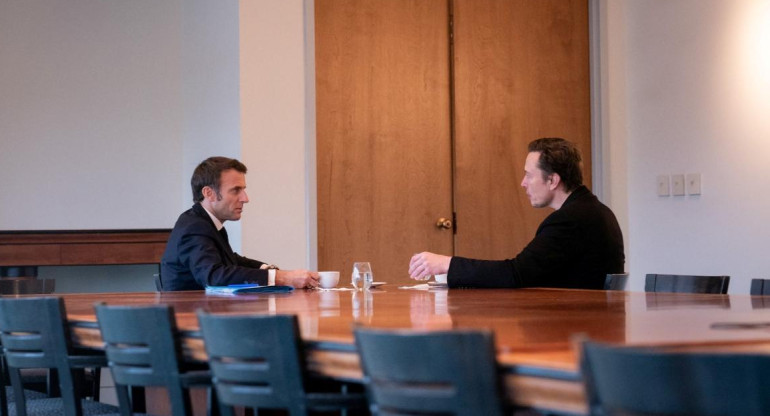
column 687, row 90
column 277, row 129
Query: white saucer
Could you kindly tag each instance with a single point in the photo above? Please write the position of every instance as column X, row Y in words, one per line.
column 377, row 284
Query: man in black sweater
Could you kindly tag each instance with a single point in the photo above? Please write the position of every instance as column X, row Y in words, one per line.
column 574, row 247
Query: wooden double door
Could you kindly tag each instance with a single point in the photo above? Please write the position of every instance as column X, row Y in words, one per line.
column 424, row 112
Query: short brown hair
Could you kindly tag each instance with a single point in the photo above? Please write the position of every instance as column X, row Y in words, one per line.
column 559, row 156
column 209, row 172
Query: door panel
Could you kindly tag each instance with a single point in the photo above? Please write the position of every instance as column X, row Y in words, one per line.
column 521, row 72
column 383, row 133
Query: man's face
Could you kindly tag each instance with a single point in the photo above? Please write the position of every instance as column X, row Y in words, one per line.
column 539, row 190
column 228, row 205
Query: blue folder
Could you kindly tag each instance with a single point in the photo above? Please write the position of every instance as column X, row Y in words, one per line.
column 246, row 288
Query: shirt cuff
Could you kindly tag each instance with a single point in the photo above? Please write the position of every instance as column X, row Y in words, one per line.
column 271, row 277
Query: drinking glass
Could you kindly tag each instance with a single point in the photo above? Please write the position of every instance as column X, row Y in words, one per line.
column 362, row 277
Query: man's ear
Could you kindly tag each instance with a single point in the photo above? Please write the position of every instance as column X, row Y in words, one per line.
column 208, row 193
column 555, row 181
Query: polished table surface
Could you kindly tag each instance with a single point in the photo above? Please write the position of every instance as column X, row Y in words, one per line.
column 535, row 329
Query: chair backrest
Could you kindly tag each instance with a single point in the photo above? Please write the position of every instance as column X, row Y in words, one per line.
column 140, row 344
column 760, row 287
column 633, row 381
column 143, row 349
column 35, row 334
column 158, row 282
column 255, row 361
column 616, row 281
column 447, row 372
column 686, row 283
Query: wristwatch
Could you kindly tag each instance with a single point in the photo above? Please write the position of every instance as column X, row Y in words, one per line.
column 272, row 267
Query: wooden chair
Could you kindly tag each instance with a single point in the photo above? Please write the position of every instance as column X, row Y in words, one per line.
column 35, row 334
column 257, row 362
column 450, row 372
column 616, row 281
column 686, row 283
column 760, row 287
column 143, row 350
column 635, row 381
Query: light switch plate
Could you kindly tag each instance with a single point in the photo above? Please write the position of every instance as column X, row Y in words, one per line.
column 693, row 184
column 677, row 184
column 663, row 185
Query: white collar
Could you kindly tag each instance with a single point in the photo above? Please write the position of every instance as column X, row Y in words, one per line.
column 216, row 221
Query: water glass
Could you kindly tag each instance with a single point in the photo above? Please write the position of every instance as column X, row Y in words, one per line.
column 362, row 277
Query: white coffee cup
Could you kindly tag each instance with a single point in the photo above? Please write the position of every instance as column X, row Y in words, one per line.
column 440, row 278
column 328, row 280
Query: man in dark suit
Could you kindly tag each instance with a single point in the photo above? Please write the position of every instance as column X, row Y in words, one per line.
column 574, row 247
column 198, row 252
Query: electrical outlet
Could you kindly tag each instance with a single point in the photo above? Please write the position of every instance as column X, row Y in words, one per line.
column 663, row 185
column 677, row 185
column 693, row 184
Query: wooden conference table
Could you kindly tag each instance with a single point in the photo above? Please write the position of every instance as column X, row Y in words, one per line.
column 534, row 328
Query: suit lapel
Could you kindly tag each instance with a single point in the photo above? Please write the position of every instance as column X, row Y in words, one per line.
column 225, row 239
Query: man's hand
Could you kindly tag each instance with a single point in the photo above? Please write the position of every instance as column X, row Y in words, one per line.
column 425, row 264
column 296, row 278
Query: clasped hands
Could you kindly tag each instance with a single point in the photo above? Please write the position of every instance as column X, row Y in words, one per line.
column 423, row 265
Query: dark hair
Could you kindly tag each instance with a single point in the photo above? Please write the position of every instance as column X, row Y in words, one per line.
column 559, row 156
column 209, row 172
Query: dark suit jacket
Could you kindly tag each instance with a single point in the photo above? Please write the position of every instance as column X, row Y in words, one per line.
column 575, row 247
column 197, row 255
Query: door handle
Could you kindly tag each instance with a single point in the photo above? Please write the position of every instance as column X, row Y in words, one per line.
column 444, row 223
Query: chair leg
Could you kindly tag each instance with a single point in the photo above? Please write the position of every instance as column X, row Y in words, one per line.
column 96, row 383
column 225, row 410
column 70, row 393
column 138, row 399
column 18, row 392
column 3, row 401
column 3, row 383
column 52, row 383
column 212, row 403
column 124, row 401
column 180, row 401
